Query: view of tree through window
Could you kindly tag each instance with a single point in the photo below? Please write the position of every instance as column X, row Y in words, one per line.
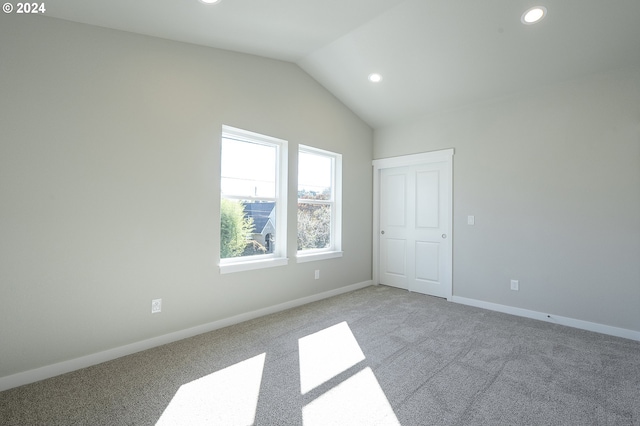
column 249, row 197
column 315, row 199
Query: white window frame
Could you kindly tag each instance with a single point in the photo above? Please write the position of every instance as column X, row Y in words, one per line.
column 279, row 256
column 335, row 248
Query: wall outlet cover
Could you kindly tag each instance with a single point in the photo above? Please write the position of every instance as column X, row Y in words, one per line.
column 156, row 306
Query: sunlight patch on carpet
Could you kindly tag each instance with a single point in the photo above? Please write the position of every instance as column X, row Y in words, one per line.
column 226, row 397
column 359, row 400
column 325, row 354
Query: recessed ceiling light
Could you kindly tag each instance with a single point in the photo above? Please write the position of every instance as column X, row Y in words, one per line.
column 533, row 15
column 375, row 77
column 210, row 1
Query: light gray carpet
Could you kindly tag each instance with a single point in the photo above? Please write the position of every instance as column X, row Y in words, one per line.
column 432, row 362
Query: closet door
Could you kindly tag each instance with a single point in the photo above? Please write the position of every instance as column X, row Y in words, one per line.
column 414, row 228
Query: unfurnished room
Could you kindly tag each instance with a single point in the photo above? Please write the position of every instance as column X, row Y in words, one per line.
column 294, row 212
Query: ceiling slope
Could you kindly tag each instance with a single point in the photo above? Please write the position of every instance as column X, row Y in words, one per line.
column 433, row 54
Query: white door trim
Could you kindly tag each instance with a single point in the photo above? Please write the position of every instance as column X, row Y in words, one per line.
column 445, row 155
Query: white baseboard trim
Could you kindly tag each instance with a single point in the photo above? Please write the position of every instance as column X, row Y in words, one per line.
column 63, row 367
column 555, row 319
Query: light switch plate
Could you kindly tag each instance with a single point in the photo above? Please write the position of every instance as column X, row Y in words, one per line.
column 471, row 220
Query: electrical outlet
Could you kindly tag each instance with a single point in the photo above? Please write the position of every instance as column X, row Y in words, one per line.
column 515, row 285
column 317, row 274
column 156, row 306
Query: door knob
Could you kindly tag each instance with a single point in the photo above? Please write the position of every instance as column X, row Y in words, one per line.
column 444, row 235
column 382, row 232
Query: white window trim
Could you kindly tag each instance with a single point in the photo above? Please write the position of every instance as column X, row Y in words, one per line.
column 335, row 250
column 249, row 265
column 314, row 255
column 279, row 257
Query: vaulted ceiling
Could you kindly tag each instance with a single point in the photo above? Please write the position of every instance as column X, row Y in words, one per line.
column 432, row 54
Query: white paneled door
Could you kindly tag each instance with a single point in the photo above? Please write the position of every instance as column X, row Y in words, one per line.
column 414, row 221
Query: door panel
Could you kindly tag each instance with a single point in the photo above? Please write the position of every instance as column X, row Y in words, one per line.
column 427, row 196
column 427, row 261
column 395, row 199
column 393, row 210
column 393, row 262
column 396, row 257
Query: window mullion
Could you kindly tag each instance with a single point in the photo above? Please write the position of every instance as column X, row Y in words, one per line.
column 313, row 201
column 247, row 198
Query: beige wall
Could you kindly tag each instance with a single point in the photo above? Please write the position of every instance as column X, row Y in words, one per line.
column 553, row 179
column 109, row 162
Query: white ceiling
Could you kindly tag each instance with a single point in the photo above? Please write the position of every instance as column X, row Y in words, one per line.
column 433, row 54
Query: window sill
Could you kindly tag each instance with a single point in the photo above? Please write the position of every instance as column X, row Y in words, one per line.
column 311, row 257
column 249, row 265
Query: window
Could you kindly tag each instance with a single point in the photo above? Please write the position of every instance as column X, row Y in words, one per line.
column 319, row 204
column 253, row 204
